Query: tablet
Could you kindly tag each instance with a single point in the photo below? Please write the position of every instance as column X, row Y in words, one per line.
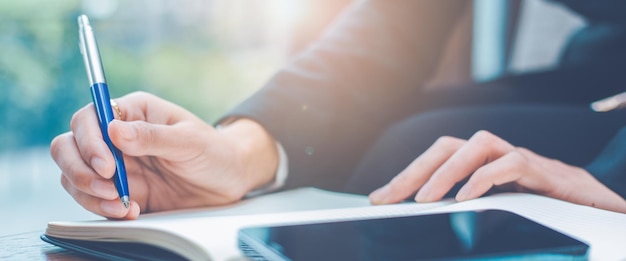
column 471, row 235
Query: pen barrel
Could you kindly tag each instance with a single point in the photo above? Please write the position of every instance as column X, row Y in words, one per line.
column 102, row 104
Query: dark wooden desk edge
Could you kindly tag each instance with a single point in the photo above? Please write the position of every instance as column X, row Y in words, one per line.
column 28, row 246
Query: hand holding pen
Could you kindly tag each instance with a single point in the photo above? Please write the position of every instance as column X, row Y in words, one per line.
column 173, row 159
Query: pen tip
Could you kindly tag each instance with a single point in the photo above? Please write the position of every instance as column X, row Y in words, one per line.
column 126, row 201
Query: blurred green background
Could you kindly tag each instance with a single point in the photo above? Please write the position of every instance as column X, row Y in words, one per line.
column 205, row 55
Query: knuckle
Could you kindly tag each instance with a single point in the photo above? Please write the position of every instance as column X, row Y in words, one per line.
column 140, row 95
column 146, row 134
column 77, row 177
column 57, row 143
column 488, row 141
column 81, row 198
column 517, row 161
column 442, row 140
column 446, row 141
column 65, row 183
column 446, row 145
column 78, row 116
column 523, row 151
column 519, row 157
column 484, row 136
column 88, row 149
column 74, row 121
column 81, row 182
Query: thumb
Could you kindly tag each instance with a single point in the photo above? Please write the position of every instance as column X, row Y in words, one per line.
column 139, row 138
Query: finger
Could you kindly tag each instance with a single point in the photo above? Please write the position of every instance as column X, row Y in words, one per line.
column 417, row 173
column 140, row 138
column 103, row 207
column 93, row 149
column 64, row 151
column 135, row 106
column 507, row 169
column 133, row 211
column 483, row 147
column 142, row 106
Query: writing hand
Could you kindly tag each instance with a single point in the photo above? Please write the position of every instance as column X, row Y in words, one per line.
column 174, row 160
column 488, row 161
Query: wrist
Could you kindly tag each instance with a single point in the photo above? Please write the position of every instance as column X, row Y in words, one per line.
column 256, row 149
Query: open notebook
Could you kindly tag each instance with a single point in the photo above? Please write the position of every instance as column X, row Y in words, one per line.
column 203, row 234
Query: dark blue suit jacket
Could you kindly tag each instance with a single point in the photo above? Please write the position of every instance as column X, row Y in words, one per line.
column 329, row 105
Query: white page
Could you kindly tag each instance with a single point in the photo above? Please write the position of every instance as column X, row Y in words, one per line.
column 215, row 232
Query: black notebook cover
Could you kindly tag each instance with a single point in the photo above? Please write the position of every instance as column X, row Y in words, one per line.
column 114, row 250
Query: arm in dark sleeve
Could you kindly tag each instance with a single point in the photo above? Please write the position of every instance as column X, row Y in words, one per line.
column 328, row 104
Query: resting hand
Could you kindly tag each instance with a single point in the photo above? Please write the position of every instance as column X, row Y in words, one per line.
column 173, row 159
column 487, row 161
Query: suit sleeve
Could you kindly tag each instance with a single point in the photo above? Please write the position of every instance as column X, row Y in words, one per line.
column 334, row 99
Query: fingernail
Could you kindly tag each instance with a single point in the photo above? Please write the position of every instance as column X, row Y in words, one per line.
column 99, row 165
column 464, row 192
column 379, row 196
column 113, row 208
column 126, row 131
column 103, row 189
column 134, row 211
column 423, row 195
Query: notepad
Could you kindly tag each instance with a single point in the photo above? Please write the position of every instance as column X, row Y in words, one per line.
column 211, row 234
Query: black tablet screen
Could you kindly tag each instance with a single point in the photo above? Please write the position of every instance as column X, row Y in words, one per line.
column 462, row 235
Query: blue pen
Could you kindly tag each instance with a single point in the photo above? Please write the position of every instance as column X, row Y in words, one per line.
column 102, row 101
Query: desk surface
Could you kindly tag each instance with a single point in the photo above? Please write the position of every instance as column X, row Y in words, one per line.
column 28, row 246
